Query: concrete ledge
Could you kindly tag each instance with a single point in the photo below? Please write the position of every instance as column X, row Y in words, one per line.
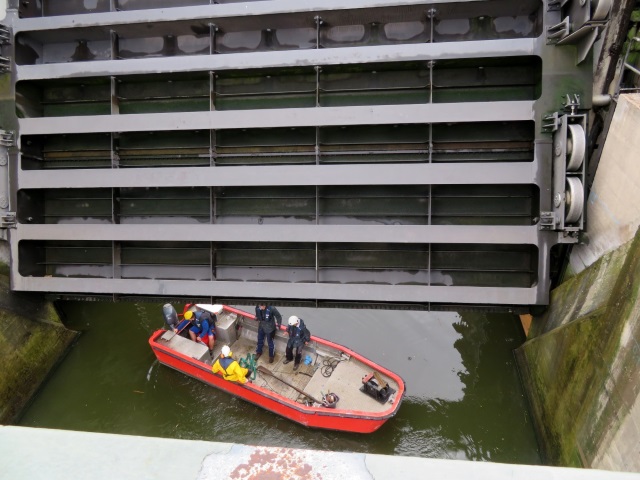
column 34, row 453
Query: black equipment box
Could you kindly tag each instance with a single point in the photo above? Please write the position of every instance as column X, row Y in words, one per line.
column 371, row 387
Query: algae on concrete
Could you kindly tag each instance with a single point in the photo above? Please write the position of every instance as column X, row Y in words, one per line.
column 32, row 342
column 580, row 364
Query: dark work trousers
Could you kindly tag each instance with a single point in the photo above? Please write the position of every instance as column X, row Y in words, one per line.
column 298, row 354
column 261, row 335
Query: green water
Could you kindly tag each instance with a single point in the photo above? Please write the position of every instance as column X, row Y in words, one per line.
column 464, row 399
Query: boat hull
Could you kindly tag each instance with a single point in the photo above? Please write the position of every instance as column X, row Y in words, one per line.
column 310, row 416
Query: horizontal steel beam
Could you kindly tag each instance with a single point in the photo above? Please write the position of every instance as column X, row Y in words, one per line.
column 285, row 117
column 211, row 12
column 403, row 174
column 346, row 292
column 412, row 234
column 292, row 58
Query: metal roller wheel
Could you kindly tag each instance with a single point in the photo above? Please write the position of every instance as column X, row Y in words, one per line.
column 600, row 9
column 574, row 203
column 576, row 147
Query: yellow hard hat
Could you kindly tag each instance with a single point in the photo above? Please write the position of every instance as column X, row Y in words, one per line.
column 188, row 315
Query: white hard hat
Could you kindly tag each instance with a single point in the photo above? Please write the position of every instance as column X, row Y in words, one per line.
column 226, row 351
column 293, row 320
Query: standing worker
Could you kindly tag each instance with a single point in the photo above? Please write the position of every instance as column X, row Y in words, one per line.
column 267, row 317
column 203, row 328
column 229, row 368
column 299, row 336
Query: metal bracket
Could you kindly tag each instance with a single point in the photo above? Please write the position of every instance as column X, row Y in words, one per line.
column 571, row 103
column 5, row 35
column 551, row 123
column 5, row 65
column 584, row 39
column 319, row 23
column 8, row 220
column 558, row 31
column 5, row 39
column 581, row 24
column 7, row 138
column 547, row 220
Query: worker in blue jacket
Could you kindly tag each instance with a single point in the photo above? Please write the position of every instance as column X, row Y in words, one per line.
column 269, row 319
column 202, row 328
column 299, row 336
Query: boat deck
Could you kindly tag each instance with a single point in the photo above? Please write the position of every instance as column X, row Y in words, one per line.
column 345, row 378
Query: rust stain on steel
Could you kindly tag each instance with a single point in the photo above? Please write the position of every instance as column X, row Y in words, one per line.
column 275, row 464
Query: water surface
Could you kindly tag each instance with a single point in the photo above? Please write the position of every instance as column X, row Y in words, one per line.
column 464, row 398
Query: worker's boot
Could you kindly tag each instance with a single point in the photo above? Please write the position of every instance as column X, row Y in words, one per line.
column 258, row 355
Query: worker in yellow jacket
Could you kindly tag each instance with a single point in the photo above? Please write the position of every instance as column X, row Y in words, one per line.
column 229, row 368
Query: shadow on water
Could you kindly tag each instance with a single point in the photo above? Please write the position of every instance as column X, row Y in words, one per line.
column 464, row 399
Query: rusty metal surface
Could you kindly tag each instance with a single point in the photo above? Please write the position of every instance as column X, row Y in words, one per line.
column 248, row 463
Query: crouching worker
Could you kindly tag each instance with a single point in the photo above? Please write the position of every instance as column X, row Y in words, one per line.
column 230, row 369
column 202, row 329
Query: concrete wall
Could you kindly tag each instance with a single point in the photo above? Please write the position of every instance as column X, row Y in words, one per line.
column 580, row 366
column 613, row 207
column 613, row 216
column 581, row 363
column 32, row 341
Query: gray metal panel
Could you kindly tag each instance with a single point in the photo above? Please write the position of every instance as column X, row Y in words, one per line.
column 362, row 292
column 206, row 12
column 408, row 174
column 558, row 67
column 286, row 117
column 459, row 234
column 291, row 58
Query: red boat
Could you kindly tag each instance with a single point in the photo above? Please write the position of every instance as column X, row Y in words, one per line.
column 334, row 388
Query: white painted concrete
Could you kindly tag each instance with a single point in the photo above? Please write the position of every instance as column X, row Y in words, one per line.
column 34, row 453
column 623, row 451
column 613, row 207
